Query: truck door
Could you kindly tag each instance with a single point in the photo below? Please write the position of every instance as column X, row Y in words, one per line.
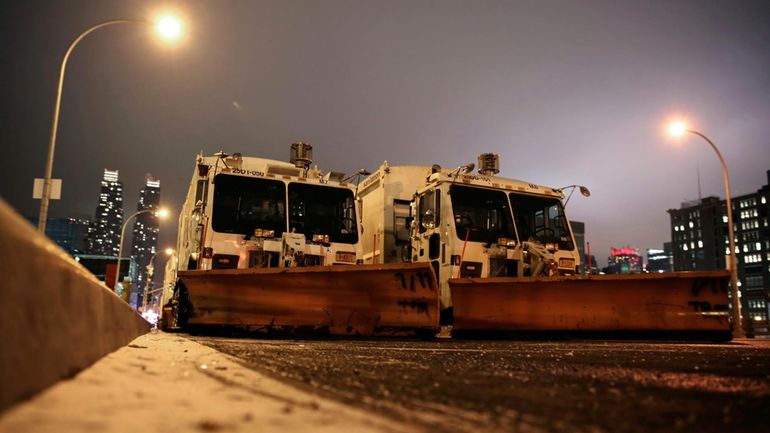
column 428, row 244
column 428, row 224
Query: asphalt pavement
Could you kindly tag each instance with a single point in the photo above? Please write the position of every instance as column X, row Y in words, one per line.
column 528, row 386
column 169, row 382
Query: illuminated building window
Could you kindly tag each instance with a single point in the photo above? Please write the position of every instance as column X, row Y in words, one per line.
column 752, row 258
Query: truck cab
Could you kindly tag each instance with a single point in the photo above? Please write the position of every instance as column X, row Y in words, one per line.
column 466, row 225
column 244, row 212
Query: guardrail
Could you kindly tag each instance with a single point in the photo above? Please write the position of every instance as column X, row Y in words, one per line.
column 56, row 318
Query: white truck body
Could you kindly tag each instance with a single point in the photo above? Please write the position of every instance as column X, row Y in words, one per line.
column 243, row 212
column 424, row 213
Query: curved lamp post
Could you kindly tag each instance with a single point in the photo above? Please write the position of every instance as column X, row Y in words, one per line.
column 160, row 213
column 678, row 129
column 167, row 27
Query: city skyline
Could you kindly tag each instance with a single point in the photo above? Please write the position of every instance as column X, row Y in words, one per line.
column 564, row 93
column 144, row 236
column 104, row 231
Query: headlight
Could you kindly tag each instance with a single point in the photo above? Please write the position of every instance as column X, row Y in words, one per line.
column 505, row 242
column 264, row 233
column 321, row 239
column 552, row 246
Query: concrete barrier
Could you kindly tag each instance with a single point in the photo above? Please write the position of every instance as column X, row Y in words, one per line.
column 56, row 318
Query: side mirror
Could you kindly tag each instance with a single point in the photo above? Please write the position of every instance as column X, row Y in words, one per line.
column 428, row 220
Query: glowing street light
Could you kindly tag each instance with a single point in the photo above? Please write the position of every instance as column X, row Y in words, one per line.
column 167, row 27
column 678, row 129
column 160, row 213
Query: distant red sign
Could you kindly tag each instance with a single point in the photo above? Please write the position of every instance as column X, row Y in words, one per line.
column 625, row 251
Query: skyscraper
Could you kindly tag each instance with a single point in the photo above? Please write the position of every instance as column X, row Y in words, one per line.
column 104, row 233
column 145, row 234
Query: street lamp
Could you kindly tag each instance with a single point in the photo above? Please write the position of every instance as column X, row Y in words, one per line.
column 160, row 213
column 678, row 129
column 167, row 27
column 150, row 271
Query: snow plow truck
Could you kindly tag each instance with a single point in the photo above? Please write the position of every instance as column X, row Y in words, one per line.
column 270, row 245
column 505, row 258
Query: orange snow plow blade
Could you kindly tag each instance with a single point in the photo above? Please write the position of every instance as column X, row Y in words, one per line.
column 363, row 300
column 685, row 303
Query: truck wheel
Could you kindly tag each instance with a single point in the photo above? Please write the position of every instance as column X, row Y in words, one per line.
column 180, row 305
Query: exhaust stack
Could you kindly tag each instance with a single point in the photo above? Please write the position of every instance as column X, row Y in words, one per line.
column 489, row 164
column 301, row 155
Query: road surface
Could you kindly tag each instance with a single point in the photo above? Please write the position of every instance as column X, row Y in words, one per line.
column 529, row 386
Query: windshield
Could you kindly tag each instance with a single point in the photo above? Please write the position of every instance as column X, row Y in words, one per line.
column 483, row 214
column 242, row 204
column 541, row 219
column 322, row 210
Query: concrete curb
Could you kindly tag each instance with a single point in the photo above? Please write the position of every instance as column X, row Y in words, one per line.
column 165, row 383
column 56, row 317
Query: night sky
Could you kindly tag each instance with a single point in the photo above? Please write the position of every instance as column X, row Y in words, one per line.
column 564, row 91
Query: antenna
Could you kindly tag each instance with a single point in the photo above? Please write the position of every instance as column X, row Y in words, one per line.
column 697, row 169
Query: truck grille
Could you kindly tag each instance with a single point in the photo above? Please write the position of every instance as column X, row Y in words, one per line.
column 503, row 268
column 263, row 259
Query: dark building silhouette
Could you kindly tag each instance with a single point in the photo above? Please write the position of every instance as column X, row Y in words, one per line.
column 660, row 260
column 579, row 230
column 699, row 235
column 700, row 242
column 592, row 266
column 97, row 265
column 145, row 234
column 69, row 233
column 104, row 233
